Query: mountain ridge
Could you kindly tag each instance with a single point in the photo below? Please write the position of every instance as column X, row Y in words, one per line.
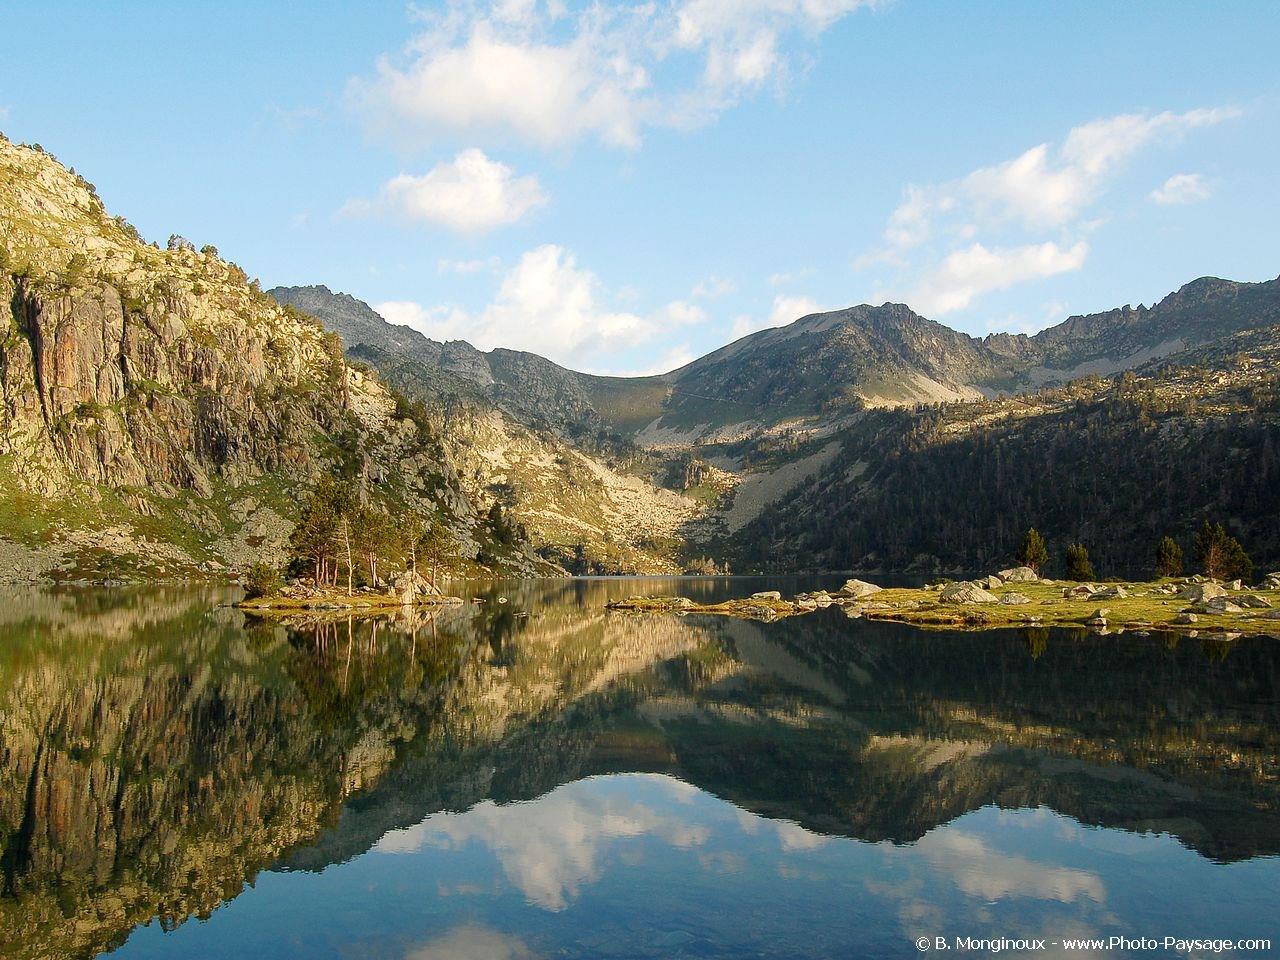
column 822, row 365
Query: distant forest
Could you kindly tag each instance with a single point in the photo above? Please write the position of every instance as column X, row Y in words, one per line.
column 1115, row 469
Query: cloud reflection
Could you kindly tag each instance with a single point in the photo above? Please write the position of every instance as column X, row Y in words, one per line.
column 983, row 872
column 471, row 942
column 551, row 847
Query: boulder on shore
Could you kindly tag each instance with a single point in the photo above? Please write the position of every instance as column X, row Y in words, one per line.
column 965, row 592
column 410, row 587
column 1014, row 598
column 1219, row 605
column 1081, row 591
column 1018, row 575
column 1116, row 592
column 858, row 589
column 1202, row 592
column 767, row 595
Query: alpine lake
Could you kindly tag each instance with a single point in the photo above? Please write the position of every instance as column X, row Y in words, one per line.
column 533, row 776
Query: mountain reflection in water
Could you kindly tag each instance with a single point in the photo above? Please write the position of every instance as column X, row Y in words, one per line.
column 541, row 778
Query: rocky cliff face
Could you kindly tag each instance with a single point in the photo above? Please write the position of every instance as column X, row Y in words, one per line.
column 155, row 404
column 523, row 432
column 1206, row 310
column 528, row 387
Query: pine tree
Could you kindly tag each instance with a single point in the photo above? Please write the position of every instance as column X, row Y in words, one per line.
column 1078, row 565
column 1220, row 555
column 1168, row 558
column 1033, row 553
column 434, row 545
column 315, row 535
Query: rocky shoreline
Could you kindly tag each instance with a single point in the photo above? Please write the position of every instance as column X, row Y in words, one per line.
column 1018, row 598
column 407, row 590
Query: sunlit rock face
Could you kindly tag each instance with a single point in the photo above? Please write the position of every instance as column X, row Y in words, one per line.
column 157, row 754
column 155, row 404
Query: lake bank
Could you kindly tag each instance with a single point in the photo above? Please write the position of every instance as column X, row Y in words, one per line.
column 1183, row 604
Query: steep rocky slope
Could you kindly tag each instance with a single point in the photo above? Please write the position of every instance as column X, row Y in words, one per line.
column 522, row 430
column 821, row 367
column 531, row 388
column 1203, row 311
column 1113, row 463
column 812, row 428
column 159, row 413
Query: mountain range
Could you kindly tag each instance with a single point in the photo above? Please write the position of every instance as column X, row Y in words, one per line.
column 161, row 414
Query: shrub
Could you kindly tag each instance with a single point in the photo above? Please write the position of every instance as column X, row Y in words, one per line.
column 1168, row 558
column 1220, row 555
column 1033, row 553
column 1078, row 565
column 262, row 580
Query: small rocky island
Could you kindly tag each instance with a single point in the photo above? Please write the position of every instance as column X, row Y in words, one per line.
column 409, row 589
column 1018, row 597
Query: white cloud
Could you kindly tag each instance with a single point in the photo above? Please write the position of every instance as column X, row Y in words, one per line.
column 469, row 194
column 968, row 273
column 681, row 313
column 1043, row 186
column 1050, row 313
column 786, row 309
column 440, row 323
column 673, row 359
column 1181, row 188
column 534, row 72
column 546, row 304
column 1021, row 219
column 784, row 278
column 713, row 288
column 466, row 267
column 291, row 118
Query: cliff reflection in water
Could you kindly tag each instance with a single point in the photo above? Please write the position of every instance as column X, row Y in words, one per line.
column 158, row 753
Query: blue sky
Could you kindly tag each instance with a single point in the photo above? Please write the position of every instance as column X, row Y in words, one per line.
column 623, row 188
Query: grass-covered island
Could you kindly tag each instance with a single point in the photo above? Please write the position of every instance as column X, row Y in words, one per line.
column 1018, row 597
column 407, row 590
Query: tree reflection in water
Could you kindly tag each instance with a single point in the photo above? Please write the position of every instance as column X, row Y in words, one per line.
column 158, row 753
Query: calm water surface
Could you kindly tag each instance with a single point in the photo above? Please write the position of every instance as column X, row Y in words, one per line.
column 542, row 779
